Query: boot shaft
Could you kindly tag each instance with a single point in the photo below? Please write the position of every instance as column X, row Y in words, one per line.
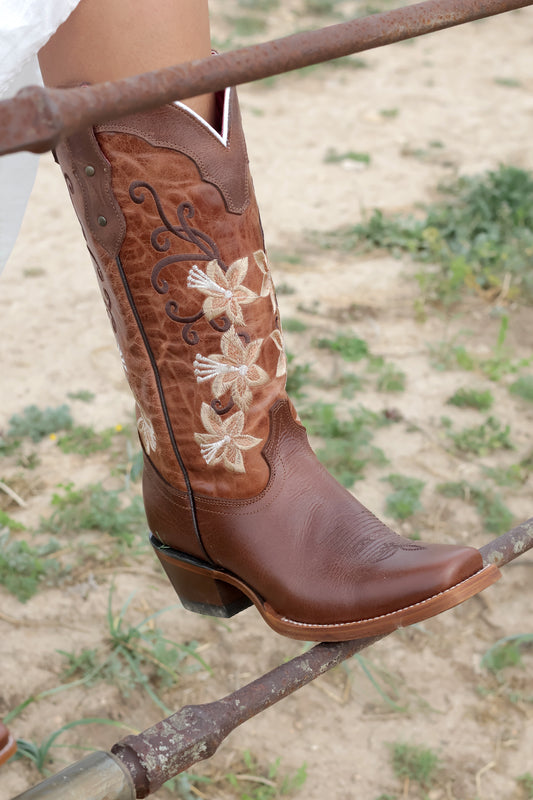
column 168, row 210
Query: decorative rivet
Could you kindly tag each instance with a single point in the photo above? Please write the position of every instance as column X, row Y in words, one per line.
column 102, row 221
column 90, row 171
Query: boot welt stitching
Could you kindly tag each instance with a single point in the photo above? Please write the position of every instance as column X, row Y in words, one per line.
column 490, row 568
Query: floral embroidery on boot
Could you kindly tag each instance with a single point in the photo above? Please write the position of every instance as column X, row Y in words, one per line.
column 225, row 440
column 146, row 432
column 224, row 290
column 234, row 370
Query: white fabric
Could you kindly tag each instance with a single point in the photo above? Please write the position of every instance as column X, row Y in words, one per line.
column 25, row 26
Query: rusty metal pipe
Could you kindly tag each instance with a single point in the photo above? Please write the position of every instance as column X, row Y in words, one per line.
column 195, row 732
column 37, row 119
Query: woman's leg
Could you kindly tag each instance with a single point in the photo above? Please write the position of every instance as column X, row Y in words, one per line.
column 104, row 40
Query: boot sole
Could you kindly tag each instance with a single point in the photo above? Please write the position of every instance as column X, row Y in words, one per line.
column 217, row 593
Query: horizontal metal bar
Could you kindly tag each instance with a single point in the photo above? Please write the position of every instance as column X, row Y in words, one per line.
column 37, row 119
column 195, row 732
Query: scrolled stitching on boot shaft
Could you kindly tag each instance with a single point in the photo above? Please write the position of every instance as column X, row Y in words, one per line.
column 234, row 370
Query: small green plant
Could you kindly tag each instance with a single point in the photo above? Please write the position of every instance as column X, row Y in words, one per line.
column 294, row 325
column 405, row 499
column 259, row 5
column 8, row 522
column 389, row 113
column 84, row 395
column 23, row 567
column 39, row 754
column 391, row 379
column 136, row 655
column 494, row 513
column 297, row 376
column 334, row 157
column 265, row 782
column 37, row 423
column 482, row 439
column 479, row 236
column 85, row 440
column 414, row 763
column 248, row 25
column 513, row 476
column 523, row 387
column 95, row 508
column 347, row 443
column 480, row 399
column 319, row 7
column 525, row 781
column 510, row 83
column 350, row 348
column 506, row 652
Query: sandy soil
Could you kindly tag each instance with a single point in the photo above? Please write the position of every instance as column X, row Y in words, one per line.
column 446, row 87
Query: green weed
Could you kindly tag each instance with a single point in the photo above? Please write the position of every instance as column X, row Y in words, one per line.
column 495, row 515
column 350, row 348
column 284, row 289
column 417, row 764
column 511, row 83
column 482, row 439
column 23, row 567
column 334, row 157
column 247, row 25
column 135, row 656
column 506, row 652
column 85, row 440
column 297, row 376
column 95, row 508
column 259, row 5
column 39, row 754
column 294, row 325
column 523, row 387
column 389, row 113
column 480, row 399
column 319, row 7
column 265, row 782
column 8, row 522
column 405, row 499
column 347, row 443
column 525, row 781
column 84, row 395
column 37, row 423
column 513, row 476
column 391, row 379
column 474, row 240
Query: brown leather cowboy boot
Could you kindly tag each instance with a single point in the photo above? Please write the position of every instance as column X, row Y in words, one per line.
column 240, row 509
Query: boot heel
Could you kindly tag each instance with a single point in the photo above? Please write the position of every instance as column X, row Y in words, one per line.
column 198, row 590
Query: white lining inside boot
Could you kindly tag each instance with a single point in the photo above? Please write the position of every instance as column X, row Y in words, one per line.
column 221, row 136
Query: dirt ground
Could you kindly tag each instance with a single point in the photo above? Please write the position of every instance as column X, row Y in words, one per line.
column 471, row 90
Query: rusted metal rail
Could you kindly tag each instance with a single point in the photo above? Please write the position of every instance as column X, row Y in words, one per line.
column 37, row 119
column 139, row 765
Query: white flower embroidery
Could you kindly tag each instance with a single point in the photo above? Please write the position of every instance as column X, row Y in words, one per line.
column 224, row 290
column 146, row 432
column 235, row 369
column 277, row 338
column 267, row 289
column 225, row 440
